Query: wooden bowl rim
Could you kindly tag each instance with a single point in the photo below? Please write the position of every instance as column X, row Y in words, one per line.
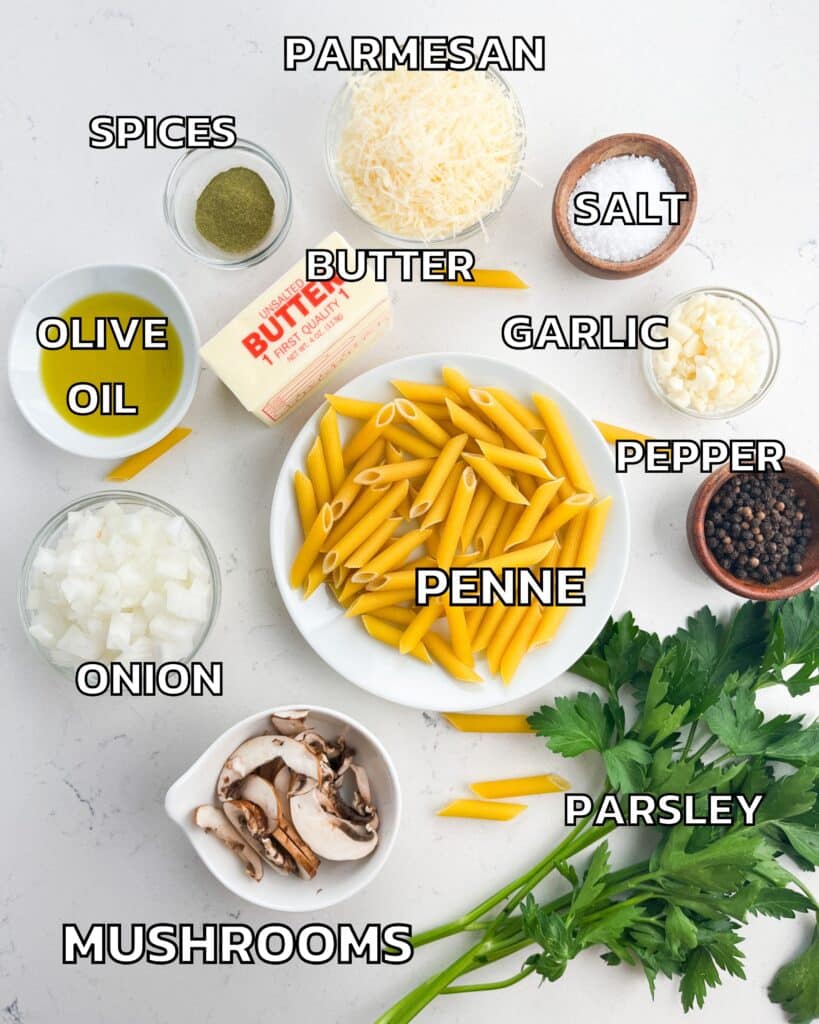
column 788, row 586
column 578, row 166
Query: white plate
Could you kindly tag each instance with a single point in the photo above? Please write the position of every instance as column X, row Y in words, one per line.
column 335, row 880
column 373, row 666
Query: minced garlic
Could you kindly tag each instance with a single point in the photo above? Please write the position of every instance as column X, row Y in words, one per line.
column 717, row 355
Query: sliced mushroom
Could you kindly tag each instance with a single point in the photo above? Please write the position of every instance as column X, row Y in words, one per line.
column 212, row 820
column 273, row 802
column 333, row 750
column 254, row 753
column 262, row 793
column 289, row 723
column 328, row 835
column 362, row 795
column 249, row 820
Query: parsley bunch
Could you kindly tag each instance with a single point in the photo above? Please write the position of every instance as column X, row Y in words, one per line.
column 677, row 715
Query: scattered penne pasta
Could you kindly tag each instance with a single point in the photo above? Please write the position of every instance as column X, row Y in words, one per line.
column 444, row 475
column 488, row 723
column 485, row 810
column 530, row 785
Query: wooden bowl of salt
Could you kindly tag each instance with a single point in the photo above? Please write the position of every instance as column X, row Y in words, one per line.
column 629, row 144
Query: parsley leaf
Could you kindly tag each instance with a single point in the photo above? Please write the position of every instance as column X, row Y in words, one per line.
column 796, row 985
column 778, row 901
column 700, row 974
column 574, row 725
column 626, row 765
column 794, row 640
column 741, row 727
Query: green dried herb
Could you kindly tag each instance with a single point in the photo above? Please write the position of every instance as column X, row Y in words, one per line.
column 235, row 210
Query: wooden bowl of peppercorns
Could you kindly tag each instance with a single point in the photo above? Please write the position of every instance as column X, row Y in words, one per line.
column 756, row 533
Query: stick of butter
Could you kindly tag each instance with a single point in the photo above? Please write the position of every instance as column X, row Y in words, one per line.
column 294, row 335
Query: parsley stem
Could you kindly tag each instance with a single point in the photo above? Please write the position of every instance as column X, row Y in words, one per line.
column 705, row 747
column 691, row 733
column 490, row 986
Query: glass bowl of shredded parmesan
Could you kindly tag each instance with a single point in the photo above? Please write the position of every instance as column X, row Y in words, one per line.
column 722, row 354
column 425, row 156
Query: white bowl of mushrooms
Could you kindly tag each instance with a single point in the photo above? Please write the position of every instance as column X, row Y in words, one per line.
column 293, row 809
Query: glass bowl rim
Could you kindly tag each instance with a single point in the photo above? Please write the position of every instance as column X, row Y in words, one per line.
column 765, row 321
column 228, row 263
column 333, row 115
column 56, row 521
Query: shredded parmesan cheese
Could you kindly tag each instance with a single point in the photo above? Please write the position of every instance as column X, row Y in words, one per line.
column 425, row 155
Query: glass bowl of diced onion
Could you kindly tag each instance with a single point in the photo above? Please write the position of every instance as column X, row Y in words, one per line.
column 184, row 540
column 748, row 316
column 336, row 123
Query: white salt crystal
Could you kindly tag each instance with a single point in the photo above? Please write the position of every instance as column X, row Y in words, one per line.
column 621, row 243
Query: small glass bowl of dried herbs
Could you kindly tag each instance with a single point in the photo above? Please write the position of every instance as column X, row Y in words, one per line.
column 228, row 207
column 756, row 533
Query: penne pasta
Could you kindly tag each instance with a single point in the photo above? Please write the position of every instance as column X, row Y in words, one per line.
column 558, row 517
column 471, row 425
column 396, row 615
column 401, row 578
column 506, row 423
column 349, row 490
column 309, row 550
column 317, row 471
column 366, row 603
column 388, row 633
column 419, row 627
column 440, row 507
column 457, row 383
column 456, row 517
column 505, row 527
column 405, row 441
column 558, row 431
column 498, row 481
column 519, row 559
column 437, row 475
column 445, row 475
column 528, row 785
column 595, row 522
column 393, row 556
column 521, row 412
column 507, row 458
column 485, row 810
column 362, row 504
column 373, row 518
column 519, row 642
column 488, row 527
column 553, row 616
column 415, row 392
column 369, row 433
column 488, row 723
column 486, row 627
column 353, row 408
column 373, row 544
column 446, row 658
column 534, row 512
column 458, row 634
column 614, row 434
column 477, row 510
column 331, row 446
column 512, row 620
column 305, row 501
column 421, row 423
column 391, row 473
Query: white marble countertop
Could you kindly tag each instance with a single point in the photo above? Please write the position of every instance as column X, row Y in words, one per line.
column 734, row 87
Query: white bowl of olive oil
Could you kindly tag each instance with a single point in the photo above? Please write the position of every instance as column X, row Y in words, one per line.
column 110, row 390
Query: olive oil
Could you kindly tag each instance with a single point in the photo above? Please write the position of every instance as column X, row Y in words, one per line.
column 151, row 377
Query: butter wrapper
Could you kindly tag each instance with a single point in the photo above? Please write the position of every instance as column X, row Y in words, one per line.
column 287, row 342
